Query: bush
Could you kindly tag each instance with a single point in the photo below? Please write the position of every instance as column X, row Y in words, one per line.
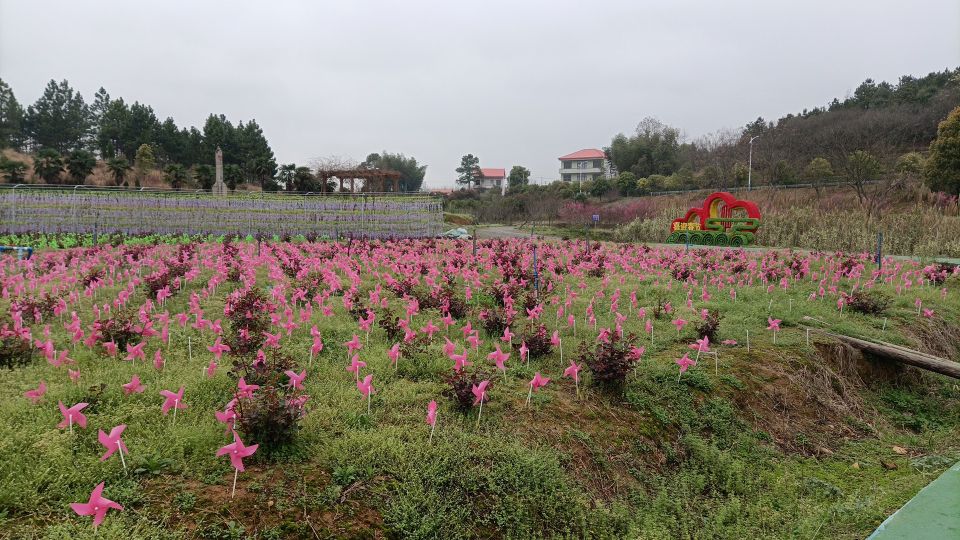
column 271, row 417
column 246, row 310
column 494, row 321
column 461, row 387
column 391, row 325
column 537, row 338
column 867, row 302
column 708, row 327
column 14, row 350
column 610, row 363
column 121, row 328
column 31, row 307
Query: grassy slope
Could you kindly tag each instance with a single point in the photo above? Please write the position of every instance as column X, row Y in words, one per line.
column 781, row 442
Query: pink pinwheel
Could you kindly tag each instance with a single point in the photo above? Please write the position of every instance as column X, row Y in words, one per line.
column 110, row 347
column 296, row 380
column 353, row 345
column 158, row 361
column 480, row 392
column 366, row 388
column 219, row 348
column 449, row 347
column 729, row 342
column 365, row 324
column 507, row 336
column 479, row 396
column 928, row 313
column 499, row 358
column 273, row 340
column 430, row 329
column 573, row 371
column 112, row 443
column 172, row 401
column 555, row 339
column 409, row 335
column 237, row 451
column 394, row 354
column 72, row 415
column 97, row 506
column 134, row 386
column 74, row 375
column 684, row 362
column 245, row 390
column 637, row 352
column 773, row 324
column 355, row 365
column 136, row 351
column 467, row 330
column 432, row 413
column 37, row 394
column 460, row 361
column 702, row 345
column 447, row 321
column 227, row 416
column 432, row 418
column 525, row 352
column 679, row 323
column 61, row 360
column 474, row 341
column 536, row 383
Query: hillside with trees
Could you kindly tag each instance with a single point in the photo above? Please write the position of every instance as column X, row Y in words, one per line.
column 884, row 122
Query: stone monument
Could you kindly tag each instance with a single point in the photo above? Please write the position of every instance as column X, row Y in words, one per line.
column 219, row 188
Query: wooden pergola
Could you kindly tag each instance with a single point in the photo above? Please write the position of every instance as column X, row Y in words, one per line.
column 374, row 180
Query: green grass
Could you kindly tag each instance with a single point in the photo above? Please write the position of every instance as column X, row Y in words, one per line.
column 667, row 459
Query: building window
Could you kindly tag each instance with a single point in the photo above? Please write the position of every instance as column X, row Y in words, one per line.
column 597, row 164
column 566, row 177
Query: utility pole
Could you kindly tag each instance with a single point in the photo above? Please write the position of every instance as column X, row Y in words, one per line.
column 750, row 164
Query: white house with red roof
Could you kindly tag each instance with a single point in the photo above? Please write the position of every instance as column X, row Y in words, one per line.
column 582, row 165
column 492, row 179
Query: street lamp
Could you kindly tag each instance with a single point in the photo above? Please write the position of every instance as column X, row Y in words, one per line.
column 750, row 163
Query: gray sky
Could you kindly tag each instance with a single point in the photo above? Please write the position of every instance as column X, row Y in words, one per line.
column 515, row 83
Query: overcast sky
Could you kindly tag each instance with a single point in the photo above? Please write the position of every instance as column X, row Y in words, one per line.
column 515, row 83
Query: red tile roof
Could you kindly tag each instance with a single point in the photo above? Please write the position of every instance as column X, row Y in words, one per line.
column 586, row 153
column 493, row 173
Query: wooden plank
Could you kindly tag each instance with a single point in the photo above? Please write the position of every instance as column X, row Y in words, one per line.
column 903, row 355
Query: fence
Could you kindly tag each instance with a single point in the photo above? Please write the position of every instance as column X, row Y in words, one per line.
column 57, row 209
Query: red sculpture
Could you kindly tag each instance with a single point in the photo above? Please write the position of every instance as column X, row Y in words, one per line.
column 723, row 220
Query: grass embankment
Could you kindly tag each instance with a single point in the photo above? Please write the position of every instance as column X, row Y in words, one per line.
column 784, row 441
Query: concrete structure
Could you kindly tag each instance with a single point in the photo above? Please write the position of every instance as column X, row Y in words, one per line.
column 584, row 165
column 219, row 188
column 492, row 179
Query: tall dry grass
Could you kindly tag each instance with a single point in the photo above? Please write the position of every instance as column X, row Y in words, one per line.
column 913, row 221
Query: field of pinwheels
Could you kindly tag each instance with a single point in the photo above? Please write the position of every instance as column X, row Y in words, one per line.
column 419, row 389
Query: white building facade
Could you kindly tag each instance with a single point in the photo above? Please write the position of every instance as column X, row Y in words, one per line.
column 584, row 165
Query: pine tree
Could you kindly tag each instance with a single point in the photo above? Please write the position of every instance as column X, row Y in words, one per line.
column 11, row 119
column 59, row 119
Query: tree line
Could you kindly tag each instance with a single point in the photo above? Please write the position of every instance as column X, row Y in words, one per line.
column 886, row 125
column 63, row 131
column 65, row 134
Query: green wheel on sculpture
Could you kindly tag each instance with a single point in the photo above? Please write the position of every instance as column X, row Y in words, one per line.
column 737, row 240
column 721, row 240
column 696, row 238
column 707, row 239
column 674, row 238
